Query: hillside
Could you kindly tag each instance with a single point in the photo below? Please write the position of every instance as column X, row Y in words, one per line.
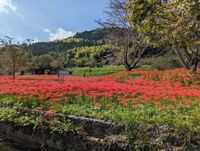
column 86, row 49
column 93, row 35
column 85, row 39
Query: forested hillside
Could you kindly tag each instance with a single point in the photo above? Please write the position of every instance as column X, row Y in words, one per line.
column 93, row 35
column 85, row 39
column 88, row 48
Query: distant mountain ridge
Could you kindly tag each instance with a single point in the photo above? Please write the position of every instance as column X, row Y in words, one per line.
column 84, row 39
column 93, row 35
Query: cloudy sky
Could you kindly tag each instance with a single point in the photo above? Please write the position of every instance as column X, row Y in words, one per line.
column 44, row 20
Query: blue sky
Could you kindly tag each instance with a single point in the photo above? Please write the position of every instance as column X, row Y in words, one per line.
column 43, row 20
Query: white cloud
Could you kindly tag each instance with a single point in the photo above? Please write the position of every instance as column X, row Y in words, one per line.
column 47, row 30
column 60, row 34
column 7, row 6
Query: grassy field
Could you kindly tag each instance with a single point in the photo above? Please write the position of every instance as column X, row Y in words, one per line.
column 89, row 72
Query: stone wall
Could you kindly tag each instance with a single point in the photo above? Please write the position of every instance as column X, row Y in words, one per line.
column 98, row 135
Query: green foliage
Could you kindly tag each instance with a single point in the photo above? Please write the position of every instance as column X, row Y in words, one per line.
column 182, row 119
column 42, row 48
column 87, row 72
column 42, row 60
column 94, row 55
column 88, row 38
column 13, row 58
column 8, row 99
column 95, row 35
column 73, row 40
column 7, row 114
column 146, row 126
column 100, row 71
column 36, row 121
column 173, row 22
column 84, row 49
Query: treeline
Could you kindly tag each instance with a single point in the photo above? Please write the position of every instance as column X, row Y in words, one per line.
column 88, row 56
column 93, row 35
column 42, row 48
column 15, row 58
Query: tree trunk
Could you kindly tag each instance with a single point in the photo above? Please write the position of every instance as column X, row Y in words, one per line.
column 125, row 62
column 13, row 70
column 131, row 65
column 181, row 59
column 13, row 74
column 194, row 66
column 127, row 67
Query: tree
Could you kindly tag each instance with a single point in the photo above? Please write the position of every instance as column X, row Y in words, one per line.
column 58, row 60
column 123, row 35
column 42, row 61
column 1, row 62
column 14, row 55
column 170, row 22
column 94, row 55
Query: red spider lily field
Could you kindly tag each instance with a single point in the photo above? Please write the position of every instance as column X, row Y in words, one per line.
column 148, row 102
column 162, row 89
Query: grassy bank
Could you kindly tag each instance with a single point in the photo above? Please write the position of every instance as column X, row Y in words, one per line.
column 146, row 126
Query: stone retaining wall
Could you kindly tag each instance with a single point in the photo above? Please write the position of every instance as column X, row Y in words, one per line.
column 100, row 135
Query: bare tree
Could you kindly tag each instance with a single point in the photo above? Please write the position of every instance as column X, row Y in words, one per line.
column 123, row 35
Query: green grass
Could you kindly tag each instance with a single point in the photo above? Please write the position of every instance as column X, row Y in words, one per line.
column 88, row 72
column 144, row 67
column 36, row 121
column 183, row 119
column 142, row 124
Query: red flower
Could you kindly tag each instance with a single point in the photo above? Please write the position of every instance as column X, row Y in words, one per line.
column 152, row 87
column 188, row 102
column 38, row 109
column 135, row 106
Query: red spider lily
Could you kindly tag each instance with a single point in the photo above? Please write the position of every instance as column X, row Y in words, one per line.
column 135, row 106
column 155, row 87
